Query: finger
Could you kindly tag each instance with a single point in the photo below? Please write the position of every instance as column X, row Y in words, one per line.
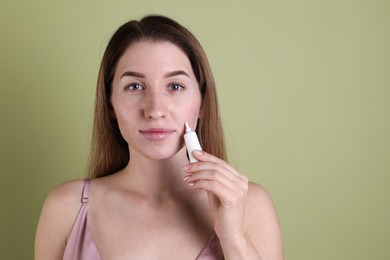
column 202, row 156
column 218, row 169
column 228, row 197
column 212, row 175
column 210, row 166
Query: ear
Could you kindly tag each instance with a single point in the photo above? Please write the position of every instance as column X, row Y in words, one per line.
column 111, row 110
column 201, row 111
column 203, row 93
column 112, row 114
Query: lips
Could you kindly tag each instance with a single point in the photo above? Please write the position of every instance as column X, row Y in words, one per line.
column 157, row 134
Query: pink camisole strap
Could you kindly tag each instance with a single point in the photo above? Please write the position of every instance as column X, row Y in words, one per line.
column 212, row 250
column 80, row 245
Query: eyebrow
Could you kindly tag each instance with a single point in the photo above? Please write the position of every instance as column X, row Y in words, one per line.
column 140, row 75
column 176, row 73
column 132, row 74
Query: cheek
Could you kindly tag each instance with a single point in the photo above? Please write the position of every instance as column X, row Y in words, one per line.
column 124, row 119
column 191, row 115
column 194, row 113
column 122, row 123
column 123, row 109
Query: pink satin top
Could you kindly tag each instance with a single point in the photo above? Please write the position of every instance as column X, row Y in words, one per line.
column 81, row 246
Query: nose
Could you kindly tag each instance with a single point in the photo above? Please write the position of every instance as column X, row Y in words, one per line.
column 154, row 106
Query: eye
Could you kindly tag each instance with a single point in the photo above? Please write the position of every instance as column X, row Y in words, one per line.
column 175, row 87
column 135, row 87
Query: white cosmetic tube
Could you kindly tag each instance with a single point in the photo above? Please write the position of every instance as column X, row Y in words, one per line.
column 192, row 143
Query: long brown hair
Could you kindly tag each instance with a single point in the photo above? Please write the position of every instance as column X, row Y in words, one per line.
column 109, row 151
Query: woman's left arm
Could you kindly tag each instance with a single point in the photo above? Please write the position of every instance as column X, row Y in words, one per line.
column 245, row 220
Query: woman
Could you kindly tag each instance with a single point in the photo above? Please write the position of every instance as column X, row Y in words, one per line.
column 143, row 199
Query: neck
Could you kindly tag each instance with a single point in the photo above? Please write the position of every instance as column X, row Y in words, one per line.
column 156, row 179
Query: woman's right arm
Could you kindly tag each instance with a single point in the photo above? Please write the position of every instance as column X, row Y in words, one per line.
column 56, row 221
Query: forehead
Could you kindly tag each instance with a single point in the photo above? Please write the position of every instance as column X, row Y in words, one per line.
column 147, row 55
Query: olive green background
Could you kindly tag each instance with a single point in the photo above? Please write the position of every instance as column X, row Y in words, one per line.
column 304, row 89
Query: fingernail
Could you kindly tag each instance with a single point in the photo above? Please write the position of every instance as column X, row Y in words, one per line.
column 186, row 167
column 198, row 152
column 187, row 178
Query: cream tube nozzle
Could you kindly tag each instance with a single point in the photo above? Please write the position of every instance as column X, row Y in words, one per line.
column 192, row 143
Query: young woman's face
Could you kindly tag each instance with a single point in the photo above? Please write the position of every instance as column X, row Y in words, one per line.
column 154, row 92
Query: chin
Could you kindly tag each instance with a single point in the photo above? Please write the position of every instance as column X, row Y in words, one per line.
column 159, row 155
column 163, row 154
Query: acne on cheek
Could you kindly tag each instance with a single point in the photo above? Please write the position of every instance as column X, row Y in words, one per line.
column 192, row 119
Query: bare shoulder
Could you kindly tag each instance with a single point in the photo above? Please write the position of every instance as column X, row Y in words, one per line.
column 57, row 217
column 259, row 206
column 65, row 194
column 262, row 222
column 258, row 198
column 63, row 200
